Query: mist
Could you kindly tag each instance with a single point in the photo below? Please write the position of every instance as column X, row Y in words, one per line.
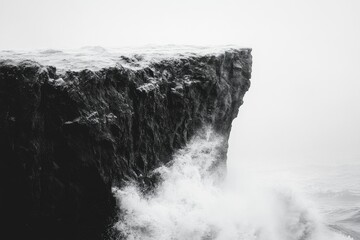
column 303, row 104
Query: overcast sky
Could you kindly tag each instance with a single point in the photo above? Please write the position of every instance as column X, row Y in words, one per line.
column 304, row 102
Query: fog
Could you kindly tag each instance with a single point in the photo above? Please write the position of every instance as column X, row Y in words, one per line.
column 304, row 102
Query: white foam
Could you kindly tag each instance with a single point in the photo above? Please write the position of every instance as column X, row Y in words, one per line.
column 191, row 204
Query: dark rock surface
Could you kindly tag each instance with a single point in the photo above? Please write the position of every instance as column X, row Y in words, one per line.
column 67, row 138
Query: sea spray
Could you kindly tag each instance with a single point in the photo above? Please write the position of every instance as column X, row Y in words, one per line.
column 190, row 203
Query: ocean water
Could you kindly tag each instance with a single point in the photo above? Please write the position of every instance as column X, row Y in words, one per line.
column 335, row 189
column 332, row 191
column 193, row 201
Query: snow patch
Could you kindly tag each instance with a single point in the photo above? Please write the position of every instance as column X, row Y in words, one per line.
column 96, row 57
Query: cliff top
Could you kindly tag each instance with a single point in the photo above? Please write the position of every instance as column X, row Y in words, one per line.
column 96, row 58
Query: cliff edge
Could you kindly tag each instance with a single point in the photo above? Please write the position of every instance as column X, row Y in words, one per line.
column 74, row 124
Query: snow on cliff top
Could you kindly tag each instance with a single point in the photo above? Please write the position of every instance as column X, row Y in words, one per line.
column 95, row 58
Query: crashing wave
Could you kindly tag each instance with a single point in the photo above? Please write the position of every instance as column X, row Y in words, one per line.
column 191, row 203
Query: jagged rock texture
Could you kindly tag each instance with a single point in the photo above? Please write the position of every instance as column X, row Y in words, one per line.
column 66, row 139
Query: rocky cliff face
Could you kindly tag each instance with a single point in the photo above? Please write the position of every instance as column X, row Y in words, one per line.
column 68, row 133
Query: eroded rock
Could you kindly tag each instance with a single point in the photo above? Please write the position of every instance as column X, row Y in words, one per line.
column 67, row 137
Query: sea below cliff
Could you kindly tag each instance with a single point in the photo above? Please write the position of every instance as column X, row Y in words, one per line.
column 266, row 202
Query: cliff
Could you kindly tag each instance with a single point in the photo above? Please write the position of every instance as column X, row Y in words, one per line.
column 72, row 125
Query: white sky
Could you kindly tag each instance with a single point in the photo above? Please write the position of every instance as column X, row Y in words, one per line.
column 304, row 102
